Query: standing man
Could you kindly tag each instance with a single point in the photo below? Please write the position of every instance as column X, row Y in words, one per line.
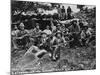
column 69, row 11
column 59, row 12
column 63, row 14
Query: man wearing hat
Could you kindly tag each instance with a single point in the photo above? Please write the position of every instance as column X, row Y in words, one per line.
column 22, row 30
column 14, row 35
column 47, row 30
column 58, row 27
column 37, row 28
column 74, row 26
column 44, row 42
column 22, row 35
column 56, row 41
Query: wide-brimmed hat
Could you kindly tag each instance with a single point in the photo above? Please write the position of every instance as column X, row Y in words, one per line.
column 58, row 32
column 21, row 25
column 74, row 21
column 43, row 33
column 58, row 24
column 37, row 24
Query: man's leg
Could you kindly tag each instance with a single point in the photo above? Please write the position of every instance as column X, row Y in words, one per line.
column 14, row 43
column 57, row 54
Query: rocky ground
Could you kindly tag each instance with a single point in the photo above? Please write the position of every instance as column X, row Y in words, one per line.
column 71, row 60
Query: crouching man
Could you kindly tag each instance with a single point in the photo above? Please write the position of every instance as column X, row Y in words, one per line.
column 57, row 42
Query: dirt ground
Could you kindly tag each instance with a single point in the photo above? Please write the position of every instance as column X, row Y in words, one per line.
column 71, row 60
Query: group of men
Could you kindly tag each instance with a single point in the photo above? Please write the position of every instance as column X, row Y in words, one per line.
column 53, row 38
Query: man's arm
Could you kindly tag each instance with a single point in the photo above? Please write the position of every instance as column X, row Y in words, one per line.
column 52, row 40
column 63, row 39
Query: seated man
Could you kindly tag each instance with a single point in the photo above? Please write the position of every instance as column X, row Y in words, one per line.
column 14, row 35
column 34, row 50
column 90, row 36
column 44, row 42
column 47, row 30
column 38, row 50
column 35, row 35
column 22, row 36
column 32, row 55
column 83, row 38
column 37, row 29
column 57, row 42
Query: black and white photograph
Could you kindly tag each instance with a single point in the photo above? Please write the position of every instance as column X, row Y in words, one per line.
column 52, row 37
